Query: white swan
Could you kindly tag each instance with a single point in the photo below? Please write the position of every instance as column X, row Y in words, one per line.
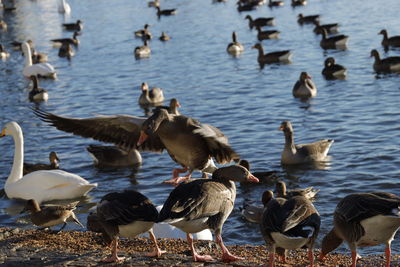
column 40, row 185
column 38, row 69
column 64, row 8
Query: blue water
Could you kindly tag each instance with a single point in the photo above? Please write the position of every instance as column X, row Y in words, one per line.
column 360, row 113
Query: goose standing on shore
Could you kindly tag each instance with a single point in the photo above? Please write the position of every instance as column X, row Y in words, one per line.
column 304, row 153
column 304, row 87
column 205, row 204
column 39, row 69
column 385, row 65
column 234, row 48
column 149, row 96
column 31, row 167
column 362, row 220
column 42, row 185
column 37, row 93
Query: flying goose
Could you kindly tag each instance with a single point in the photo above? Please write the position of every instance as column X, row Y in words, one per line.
column 260, row 21
column 142, row 51
column 273, row 57
column 386, row 65
column 334, row 42
column 290, row 224
column 188, row 142
column 332, row 70
column 72, row 41
column 113, row 156
column 390, row 41
column 330, row 28
column 48, row 216
column 264, row 35
column 78, row 26
column 125, row 214
column 205, row 204
column 304, row 87
column 364, row 219
column 31, row 167
column 37, row 93
column 280, row 191
column 234, row 47
column 150, row 96
column 307, row 19
column 304, row 153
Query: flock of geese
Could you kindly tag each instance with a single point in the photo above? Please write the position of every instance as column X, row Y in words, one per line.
column 288, row 219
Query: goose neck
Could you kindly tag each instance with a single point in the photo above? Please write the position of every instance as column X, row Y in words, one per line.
column 289, row 140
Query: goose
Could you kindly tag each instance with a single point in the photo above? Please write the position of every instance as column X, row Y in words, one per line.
column 64, row 8
column 76, row 27
column 307, row 19
column 260, row 22
column 3, row 53
column 142, row 51
column 37, row 93
column 3, row 25
column 273, row 57
column 234, row 47
column 205, row 204
column 330, row 28
column 289, row 224
column 165, row 12
column 44, row 185
column 173, row 107
column 38, row 57
column 66, row 50
column 126, row 214
column 392, row 41
column 263, row 176
column 164, row 37
column 48, row 216
column 246, row 6
column 282, row 192
column 254, row 213
column 332, row 70
column 73, row 41
column 30, row 167
column 113, row 156
column 264, row 35
column 155, row 3
column 272, row 3
column 150, row 97
column 386, row 65
column 334, row 42
column 304, row 153
column 304, row 87
column 144, row 33
column 39, row 69
column 362, row 220
column 299, row 3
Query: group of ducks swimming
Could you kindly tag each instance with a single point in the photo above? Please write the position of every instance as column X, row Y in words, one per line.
column 288, row 221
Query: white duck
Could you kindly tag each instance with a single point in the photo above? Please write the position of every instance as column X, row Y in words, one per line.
column 64, row 8
column 38, row 69
column 42, row 185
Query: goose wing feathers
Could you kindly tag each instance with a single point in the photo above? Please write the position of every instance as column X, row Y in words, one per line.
column 319, row 147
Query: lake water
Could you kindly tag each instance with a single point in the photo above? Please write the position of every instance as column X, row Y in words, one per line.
column 360, row 113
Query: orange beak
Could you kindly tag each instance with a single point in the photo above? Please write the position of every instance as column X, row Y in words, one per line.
column 280, row 128
column 178, row 104
column 142, row 138
column 3, row 133
column 251, row 178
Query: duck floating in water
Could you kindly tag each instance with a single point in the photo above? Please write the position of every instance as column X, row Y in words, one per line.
column 330, row 28
column 385, row 65
column 149, row 96
column 301, row 19
column 389, row 41
column 44, row 185
column 235, row 47
column 205, row 204
column 31, row 167
column 304, row 87
column 37, row 93
column 333, row 70
column 364, row 219
column 165, row 12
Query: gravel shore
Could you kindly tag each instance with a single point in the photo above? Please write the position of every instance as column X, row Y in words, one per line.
column 21, row 247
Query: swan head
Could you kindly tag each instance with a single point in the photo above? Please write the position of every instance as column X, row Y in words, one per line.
column 10, row 128
column 25, row 47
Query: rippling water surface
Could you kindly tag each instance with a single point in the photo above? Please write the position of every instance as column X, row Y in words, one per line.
column 248, row 104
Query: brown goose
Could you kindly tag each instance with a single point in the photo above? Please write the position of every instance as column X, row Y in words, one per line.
column 205, row 204
column 37, row 93
column 304, row 87
column 386, row 65
column 390, row 41
column 280, row 190
column 165, row 12
column 234, row 47
column 264, row 176
column 248, row 6
column 66, row 50
column 330, row 28
column 299, row 3
column 253, row 213
column 78, row 26
column 113, row 156
column 173, row 107
column 264, row 35
column 304, row 153
column 48, row 216
column 150, row 96
column 260, row 22
column 72, row 41
column 332, row 70
column 31, row 167
column 364, row 219
column 144, row 33
column 142, row 51
column 334, row 42
column 307, row 19
column 125, row 214
column 273, row 57
column 274, row 3
column 290, row 224
column 189, row 143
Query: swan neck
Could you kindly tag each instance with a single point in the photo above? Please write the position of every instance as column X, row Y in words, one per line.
column 28, row 57
column 16, row 171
